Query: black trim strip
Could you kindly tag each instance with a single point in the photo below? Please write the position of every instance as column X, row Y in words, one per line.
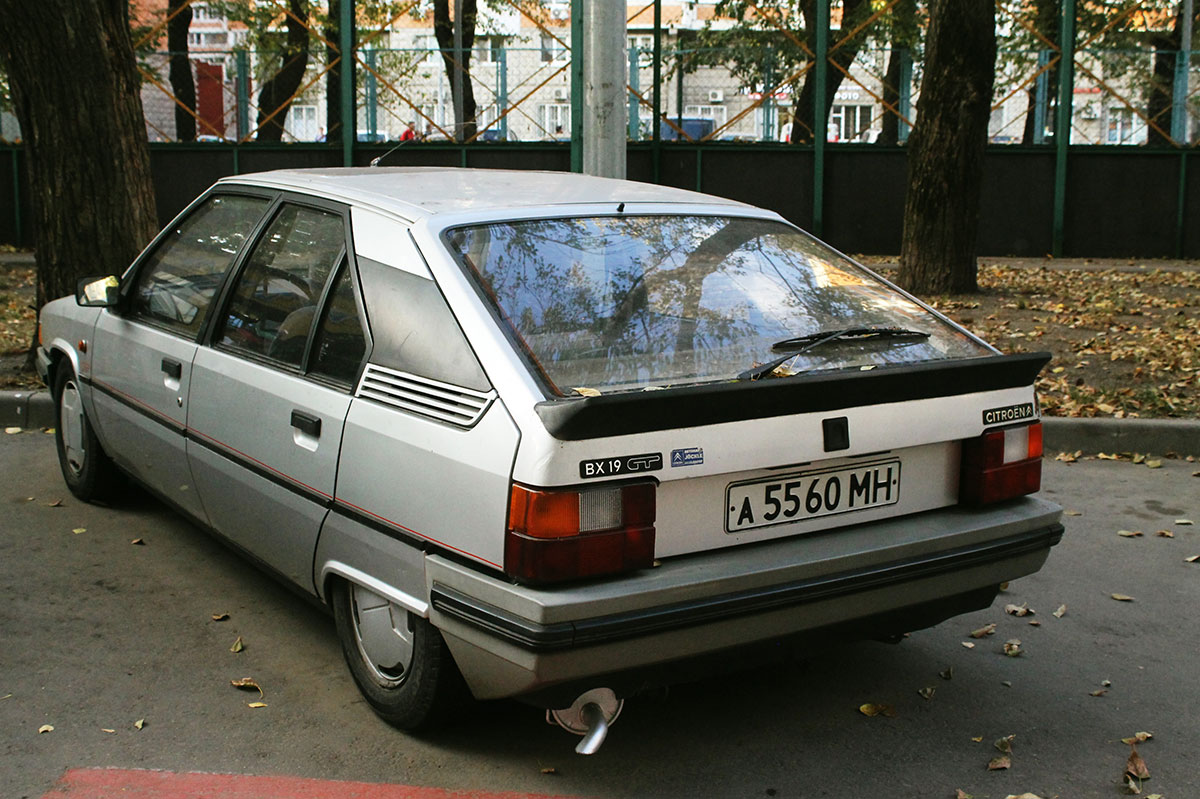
column 136, row 407
column 260, row 470
column 577, row 418
column 366, row 520
column 539, row 637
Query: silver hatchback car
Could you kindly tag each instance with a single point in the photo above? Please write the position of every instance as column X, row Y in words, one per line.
column 548, row 436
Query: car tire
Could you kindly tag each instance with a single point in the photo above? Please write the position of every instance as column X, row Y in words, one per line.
column 398, row 660
column 89, row 473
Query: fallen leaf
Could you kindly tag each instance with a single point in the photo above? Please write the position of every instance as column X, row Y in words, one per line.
column 1018, row 610
column 871, row 709
column 45, row 728
column 1155, row 464
column 1106, row 457
column 1192, row 559
column 1026, row 795
column 1137, row 738
column 1035, row 623
column 220, row 617
column 1184, row 522
column 1072, row 513
column 550, row 770
column 12, row 431
column 978, row 740
column 1062, row 611
column 1106, row 683
column 1129, row 533
column 247, row 684
column 256, row 704
column 1006, row 683
column 1131, row 786
column 968, row 644
column 1135, row 766
column 1012, row 647
column 137, row 542
column 6, row 696
column 997, row 763
column 238, row 646
column 55, row 504
column 137, row 725
column 79, row 530
column 1005, row 744
column 586, row 392
column 1122, row 597
column 961, row 794
column 927, row 692
column 1099, row 692
column 947, row 673
column 1164, row 534
column 1003, row 586
column 107, row 730
column 1138, row 458
column 983, row 631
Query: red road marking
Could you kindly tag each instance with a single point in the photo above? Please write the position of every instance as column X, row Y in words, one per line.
column 111, row 783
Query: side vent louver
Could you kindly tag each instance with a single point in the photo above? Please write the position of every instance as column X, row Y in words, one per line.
column 455, row 405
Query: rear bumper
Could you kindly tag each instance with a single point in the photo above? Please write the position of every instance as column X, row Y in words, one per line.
column 510, row 640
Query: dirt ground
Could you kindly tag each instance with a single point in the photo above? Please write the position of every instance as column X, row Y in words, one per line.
column 1125, row 334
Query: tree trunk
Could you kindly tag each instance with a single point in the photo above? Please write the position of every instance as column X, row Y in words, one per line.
column 443, row 29
column 1046, row 20
column 1160, row 99
column 85, row 137
column 276, row 94
column 904, row 34
column 945, row 158
column 183, row 85
column 852, row 11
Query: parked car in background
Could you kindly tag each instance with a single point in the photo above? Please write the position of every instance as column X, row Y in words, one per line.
column 539, row 435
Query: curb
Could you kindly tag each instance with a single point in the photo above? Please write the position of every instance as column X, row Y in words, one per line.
column 28, row 409
column 35, row 409
column 1159, row 436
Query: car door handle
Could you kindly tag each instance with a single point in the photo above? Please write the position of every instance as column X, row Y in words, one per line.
column 172, row 368
column 306, row 423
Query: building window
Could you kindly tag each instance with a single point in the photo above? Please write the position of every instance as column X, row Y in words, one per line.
column 849, row 123
column 556, row 120
column 643, row 45
column 1120, row 126
column 302, row 122
column 553, row 50
column 487, row 49
column 717, row 113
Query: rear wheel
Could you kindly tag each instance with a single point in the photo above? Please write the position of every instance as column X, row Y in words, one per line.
column 398, row 659
column 86, row 468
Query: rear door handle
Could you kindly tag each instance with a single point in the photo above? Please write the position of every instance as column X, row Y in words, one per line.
column 306, row 423
column 172, row 368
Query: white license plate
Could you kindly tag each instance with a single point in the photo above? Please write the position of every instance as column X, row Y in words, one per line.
column 786, row 498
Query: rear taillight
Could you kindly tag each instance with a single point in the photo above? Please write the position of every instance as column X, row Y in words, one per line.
column 557, row 535
column 1001, row 464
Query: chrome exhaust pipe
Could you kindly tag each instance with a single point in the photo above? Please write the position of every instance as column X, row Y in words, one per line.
column 590, row 715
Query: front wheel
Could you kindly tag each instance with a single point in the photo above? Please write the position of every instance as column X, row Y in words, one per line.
column 398, row 659
column 86, row 468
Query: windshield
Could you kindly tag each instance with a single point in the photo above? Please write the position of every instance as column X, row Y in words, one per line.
column 624, row 303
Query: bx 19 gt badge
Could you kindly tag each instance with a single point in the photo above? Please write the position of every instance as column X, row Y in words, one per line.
column 626, row 464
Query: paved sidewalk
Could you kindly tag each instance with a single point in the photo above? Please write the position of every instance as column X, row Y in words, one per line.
column 35, row 409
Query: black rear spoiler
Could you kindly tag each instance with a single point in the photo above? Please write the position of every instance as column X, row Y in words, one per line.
column 578, row 418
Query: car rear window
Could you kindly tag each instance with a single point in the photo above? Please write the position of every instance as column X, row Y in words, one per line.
column 624, row 303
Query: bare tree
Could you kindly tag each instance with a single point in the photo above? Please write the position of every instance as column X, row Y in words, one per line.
column 945, row 159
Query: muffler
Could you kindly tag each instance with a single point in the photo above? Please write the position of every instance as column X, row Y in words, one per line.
column 590, row 715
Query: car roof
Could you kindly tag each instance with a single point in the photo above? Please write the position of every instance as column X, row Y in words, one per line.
column 415, row 192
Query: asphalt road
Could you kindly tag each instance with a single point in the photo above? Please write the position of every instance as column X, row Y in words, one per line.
column 97, row 633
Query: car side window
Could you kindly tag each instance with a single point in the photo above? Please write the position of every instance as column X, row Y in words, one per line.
column 177, row 281
column 275, row 299
column 340, row 344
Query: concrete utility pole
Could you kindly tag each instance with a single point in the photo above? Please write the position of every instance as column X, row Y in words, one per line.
column 1183, row 63
column 604, row 70
column 459, row 111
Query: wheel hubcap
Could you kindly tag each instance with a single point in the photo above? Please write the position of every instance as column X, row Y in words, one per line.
column 70, row 419
column 384, row 635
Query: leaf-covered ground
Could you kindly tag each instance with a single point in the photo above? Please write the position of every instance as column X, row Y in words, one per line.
column 1125, row 335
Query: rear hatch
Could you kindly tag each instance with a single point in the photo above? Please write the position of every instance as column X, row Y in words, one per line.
column 768, row 385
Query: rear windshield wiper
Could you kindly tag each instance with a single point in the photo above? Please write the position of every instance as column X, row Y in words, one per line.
column 799, row 345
